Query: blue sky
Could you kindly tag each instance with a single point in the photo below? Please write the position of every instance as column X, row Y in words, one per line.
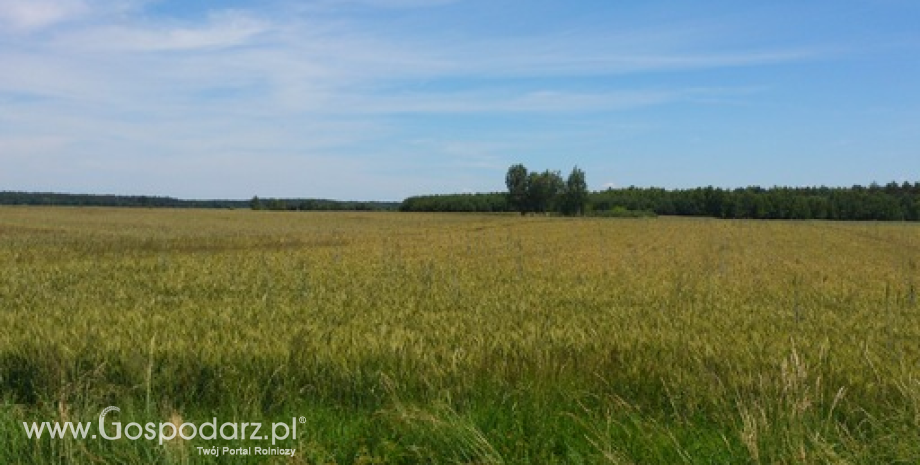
column 381, row 99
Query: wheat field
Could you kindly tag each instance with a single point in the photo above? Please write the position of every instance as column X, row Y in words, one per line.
column 455, row 338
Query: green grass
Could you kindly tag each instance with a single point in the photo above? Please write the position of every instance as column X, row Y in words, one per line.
column 424, row 338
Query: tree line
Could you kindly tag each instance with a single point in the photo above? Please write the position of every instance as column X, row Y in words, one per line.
column 144, row 201
column 102, row 200
column 545, row 191
column 491, row 202
column 891, row 202
column 320, row 205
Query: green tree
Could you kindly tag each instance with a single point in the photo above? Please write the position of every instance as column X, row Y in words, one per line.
column 543, row 190
column 517, row 182
column 575, row 195
column 256, row 203
column 277, row 204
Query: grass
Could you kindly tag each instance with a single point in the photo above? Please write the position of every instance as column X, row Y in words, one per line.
column 426, row 338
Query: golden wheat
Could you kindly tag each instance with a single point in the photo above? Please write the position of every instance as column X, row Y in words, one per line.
column 753, row 324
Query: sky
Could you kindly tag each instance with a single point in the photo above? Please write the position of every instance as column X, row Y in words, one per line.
column 383, row 99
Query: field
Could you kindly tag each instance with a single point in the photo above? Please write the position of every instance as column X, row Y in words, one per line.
column 426, row 338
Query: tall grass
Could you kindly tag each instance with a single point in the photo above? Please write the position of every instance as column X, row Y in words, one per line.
column 424, row 338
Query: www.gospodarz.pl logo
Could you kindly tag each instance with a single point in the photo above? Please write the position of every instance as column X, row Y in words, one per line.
column 168, row 431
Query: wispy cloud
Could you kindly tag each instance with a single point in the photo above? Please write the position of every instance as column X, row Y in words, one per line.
column 30, row 15
column 338, row 4
column 124, row 93
column 302, row 64
column 223, row 29
column 540, row 101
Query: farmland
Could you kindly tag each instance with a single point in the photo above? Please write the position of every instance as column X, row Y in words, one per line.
column 427, row 338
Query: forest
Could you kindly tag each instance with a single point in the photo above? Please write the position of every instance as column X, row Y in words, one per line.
column 891, row 202
column 92, row 200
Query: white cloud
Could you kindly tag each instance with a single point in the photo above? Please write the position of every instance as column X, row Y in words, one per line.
column 599, row 55
column 491, row 101
column 29, row 15
column 331, row 5
column 222, row 30
column 157, row 105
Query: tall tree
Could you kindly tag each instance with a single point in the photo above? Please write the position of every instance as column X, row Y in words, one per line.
column 575, row 196
column 517, row 181
column 543, row 190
